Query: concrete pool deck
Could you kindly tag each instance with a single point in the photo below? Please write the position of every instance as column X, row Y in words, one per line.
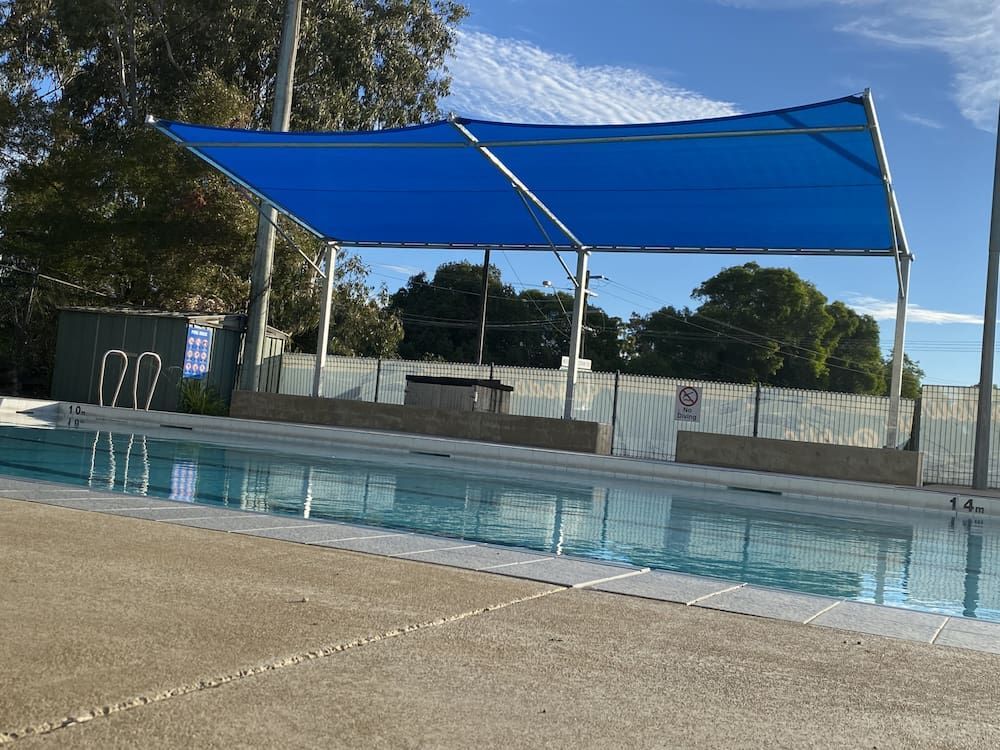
column 119, row 631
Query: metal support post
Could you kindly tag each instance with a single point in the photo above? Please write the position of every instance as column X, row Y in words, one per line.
column 579, row 301
column 614, row 411
column 260, row 282
column 984, row 413
column 896, row 379
column 482, row 306
column 903, row 259
column 756, row 410
column 324, row 319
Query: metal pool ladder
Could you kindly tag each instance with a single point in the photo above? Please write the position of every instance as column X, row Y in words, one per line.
column 135, row 381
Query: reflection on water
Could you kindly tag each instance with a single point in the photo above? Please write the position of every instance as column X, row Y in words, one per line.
column 945, row 562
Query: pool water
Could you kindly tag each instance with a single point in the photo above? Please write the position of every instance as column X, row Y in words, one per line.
column 928, row 560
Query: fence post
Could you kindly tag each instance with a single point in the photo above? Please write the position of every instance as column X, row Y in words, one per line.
column 914, row 442
column 491, row 371
column 378, row 377
column 756, row 410
column 614, row 412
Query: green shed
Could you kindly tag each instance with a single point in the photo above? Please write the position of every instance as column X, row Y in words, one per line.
column 190, row 345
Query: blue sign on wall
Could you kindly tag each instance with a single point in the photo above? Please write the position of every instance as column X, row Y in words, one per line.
column 198, row 352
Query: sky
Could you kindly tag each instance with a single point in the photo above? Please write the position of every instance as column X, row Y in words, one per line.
column 932, row 65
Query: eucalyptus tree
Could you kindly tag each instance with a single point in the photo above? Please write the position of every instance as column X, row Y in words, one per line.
column 93, row 196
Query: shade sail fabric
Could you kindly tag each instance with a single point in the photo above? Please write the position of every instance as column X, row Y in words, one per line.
column 746, row 182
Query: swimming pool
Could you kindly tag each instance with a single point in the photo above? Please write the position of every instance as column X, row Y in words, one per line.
column 927, row 560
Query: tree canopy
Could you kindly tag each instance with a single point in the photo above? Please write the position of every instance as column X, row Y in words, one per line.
column 531, row 328
column 768, row 326
column 92, row 196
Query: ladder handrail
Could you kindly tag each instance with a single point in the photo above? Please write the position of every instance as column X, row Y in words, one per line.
column 135, row 382
column 121, row 378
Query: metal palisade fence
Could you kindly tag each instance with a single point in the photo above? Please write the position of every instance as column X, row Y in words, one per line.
column 641, row 409
column 947, row 434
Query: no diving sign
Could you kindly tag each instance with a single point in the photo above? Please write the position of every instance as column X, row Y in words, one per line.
column 688, row 407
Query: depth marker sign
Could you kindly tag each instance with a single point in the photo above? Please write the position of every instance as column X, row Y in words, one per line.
column 688, row 407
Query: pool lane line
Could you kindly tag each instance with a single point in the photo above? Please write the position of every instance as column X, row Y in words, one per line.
column 145, row 699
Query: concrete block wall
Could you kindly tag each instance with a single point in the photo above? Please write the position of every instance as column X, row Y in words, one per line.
column 883, row 465
column 508, row 429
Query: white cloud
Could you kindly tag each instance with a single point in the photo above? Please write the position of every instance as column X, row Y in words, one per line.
column 881, row 309
column 967, row 32
column 403, row 270
column 515, row 80
column 926, row 122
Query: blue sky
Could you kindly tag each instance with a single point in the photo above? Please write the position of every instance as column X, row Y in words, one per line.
column 933, row 66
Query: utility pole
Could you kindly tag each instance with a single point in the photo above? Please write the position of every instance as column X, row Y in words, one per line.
column 260, row 282
column 587, row 329
column 984, row 412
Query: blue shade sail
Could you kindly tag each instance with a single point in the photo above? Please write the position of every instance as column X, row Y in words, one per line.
column 805, row 178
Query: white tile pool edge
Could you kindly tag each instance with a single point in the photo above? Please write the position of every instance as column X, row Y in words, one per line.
column 579, row 573
column 316, row 438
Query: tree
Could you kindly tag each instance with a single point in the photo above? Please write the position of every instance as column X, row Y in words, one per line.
column 441, row 315
column 441, row 320
column 670, row 343
column 913, row 377
column 361, row 325
column 855, row 361
column 601, row 342
column 93, row 196
column 773, row 325
column 760, row 325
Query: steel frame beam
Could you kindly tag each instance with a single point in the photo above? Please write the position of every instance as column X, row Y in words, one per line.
column 653, row 137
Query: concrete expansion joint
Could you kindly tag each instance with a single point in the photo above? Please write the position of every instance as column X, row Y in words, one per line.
column 85, row 715
column 940, row 628
column 823, row 611
column 597, row 581
column 714, row 593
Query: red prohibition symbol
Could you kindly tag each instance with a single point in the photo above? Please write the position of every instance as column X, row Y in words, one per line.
column 688, row 396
